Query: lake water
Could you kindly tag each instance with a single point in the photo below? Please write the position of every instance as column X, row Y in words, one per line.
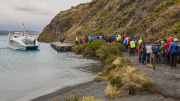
column 25, row 75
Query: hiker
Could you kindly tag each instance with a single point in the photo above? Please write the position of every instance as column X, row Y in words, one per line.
column 128, row 43
column 143, row 52
column 167, row 55
column 162, row 52
column 174, row 51
column 148, row 50
column 89, row 39
column 117, row 38
column 132, row 47
column 34, row 42
column 155, row 50
column 125, row 44
column 109, row 39
column 83, row 39
column 76, row 40
column 86, row 39
column 106, row 38
column 140, row 52
column 158, row 55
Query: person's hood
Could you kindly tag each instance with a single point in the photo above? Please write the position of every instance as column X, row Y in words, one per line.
column 162, row 42
column 170, row 38
column 168, row 41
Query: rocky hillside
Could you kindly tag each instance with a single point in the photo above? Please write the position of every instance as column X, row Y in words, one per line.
column 148, row 19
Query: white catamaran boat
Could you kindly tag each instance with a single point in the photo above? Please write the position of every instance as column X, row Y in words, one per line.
column 22, row 41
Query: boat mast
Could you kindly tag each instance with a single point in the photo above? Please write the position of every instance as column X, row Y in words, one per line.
column 23, row 30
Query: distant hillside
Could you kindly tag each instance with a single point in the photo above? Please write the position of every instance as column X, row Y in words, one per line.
column 148, row 19
column 2, row 32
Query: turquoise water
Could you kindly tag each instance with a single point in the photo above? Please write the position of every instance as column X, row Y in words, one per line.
column 25, row 75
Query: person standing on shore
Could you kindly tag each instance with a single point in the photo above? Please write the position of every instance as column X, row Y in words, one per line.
column 174, row 51
column 132, row 47
column 148, row 50
column 125, row 44
column 167, row 55
column 76, row 40
column 162, row 52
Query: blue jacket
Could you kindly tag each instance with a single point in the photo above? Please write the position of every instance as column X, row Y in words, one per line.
column 125, row 41
column 174, row 47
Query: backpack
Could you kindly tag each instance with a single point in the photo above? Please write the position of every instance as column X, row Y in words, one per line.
column 155, row 49
column 106, row 38
column 141, row 49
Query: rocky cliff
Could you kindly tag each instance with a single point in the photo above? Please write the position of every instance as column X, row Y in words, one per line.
column 148, row 19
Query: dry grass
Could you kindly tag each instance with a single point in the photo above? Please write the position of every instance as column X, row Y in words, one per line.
column 132, row 74
column 111, row 91
column 149, row 65
column 101, row 78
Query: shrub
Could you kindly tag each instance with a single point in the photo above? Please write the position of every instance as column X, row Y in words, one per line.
column 90, row 98
column 83, row 47
column 164, row 26
column 126, row 62
column 130, row 31
column 109, row 51
column 148, row 85
column 176, row 29
column 108, row 69
column 171, row 2
column 116, row 81
column 100, row 78
column 74, row 96
column 96, row 44
column 158, row 8
column 144, row 7
column 157, row 15
column 77, row 49
column 132, row 89
column 92, row 47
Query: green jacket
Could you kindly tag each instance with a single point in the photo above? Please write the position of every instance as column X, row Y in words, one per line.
column 139, row 42
column 161, row 49
column 76, row 38
column 132, row 44
column 117, row 38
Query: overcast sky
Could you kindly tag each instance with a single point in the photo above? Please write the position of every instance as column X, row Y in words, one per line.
column 36, row 13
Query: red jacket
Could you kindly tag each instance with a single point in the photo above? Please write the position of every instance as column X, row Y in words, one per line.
column 129, row 42
column 167, row 46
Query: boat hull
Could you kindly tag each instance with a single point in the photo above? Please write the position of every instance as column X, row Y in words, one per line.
column 21, row 47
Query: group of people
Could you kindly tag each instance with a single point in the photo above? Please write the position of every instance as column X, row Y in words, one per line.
column 165, row 50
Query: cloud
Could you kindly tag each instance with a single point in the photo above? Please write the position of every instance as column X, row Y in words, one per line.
column 38, row 13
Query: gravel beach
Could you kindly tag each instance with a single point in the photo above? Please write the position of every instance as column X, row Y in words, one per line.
column 96, row 89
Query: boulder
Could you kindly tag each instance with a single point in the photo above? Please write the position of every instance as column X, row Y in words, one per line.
column 124, row 89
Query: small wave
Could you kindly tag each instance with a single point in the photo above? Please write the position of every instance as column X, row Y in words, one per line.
column 3, row 48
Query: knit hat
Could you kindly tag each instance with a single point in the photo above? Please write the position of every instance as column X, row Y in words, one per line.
column 175, row 39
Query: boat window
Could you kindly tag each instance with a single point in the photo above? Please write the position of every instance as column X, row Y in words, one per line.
column 14, row 42
column 28, row 42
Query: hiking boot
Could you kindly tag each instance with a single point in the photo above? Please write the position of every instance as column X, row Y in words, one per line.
column 170, row 67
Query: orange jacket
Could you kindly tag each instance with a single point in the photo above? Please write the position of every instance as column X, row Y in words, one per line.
column 83, row 39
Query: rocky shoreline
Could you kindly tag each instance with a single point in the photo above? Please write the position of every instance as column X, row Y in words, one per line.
column 96, row 89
